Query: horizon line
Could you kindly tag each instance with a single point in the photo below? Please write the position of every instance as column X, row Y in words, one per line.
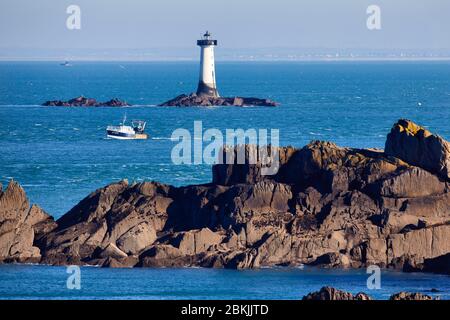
column 318, row 59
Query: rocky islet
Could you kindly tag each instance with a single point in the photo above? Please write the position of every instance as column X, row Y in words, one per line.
column 179, row 101
column 193, row 99
column 82, row 101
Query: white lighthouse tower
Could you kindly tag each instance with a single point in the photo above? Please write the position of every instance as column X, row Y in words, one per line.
column 207, row 81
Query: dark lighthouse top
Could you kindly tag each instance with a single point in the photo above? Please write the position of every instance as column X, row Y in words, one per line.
column 207, row 41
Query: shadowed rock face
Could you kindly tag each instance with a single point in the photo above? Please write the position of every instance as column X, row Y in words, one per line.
column 327, row 205
column 208, row 100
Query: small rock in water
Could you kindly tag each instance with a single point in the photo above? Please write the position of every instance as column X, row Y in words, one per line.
column 330, row 293
column 85, row 102
column 410, row 296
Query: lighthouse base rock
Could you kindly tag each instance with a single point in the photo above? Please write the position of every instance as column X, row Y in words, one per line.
column 327, row 206
column 204, row 100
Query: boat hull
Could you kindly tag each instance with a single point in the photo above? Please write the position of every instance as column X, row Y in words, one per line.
column 126, row 136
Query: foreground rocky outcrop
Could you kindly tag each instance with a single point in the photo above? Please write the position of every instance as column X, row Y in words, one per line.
column 21, row 226
column 327, row 206
column 85, row 102
column 330, row 293
column 205, row 100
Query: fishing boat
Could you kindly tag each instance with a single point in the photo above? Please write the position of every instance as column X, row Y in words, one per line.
column 125, row 132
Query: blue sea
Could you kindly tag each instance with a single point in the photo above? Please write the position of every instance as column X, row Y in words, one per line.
column 59, row 155
column 49, row 282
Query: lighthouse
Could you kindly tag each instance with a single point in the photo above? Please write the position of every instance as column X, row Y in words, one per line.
column 207, row 80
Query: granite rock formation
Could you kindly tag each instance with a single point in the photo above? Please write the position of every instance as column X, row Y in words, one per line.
column 204, row 100
column 410, row 296
column 21, row 226
column 327, row 206
column 85, row 102
column 330, row 293
column 419, row 147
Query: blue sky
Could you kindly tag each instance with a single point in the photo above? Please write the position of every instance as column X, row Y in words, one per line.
column 237, row 24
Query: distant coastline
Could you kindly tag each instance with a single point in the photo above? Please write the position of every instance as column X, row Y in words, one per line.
column 269, row 54
column 117, row 59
